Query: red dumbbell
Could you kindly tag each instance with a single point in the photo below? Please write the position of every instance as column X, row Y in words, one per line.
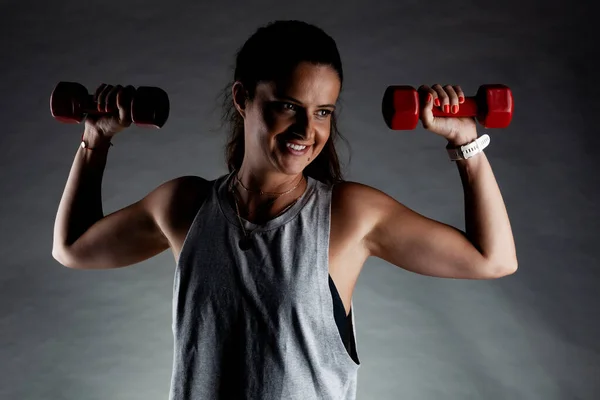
column 70, row 102
column 492, row 106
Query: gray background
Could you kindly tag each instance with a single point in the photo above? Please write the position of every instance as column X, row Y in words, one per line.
column 67, row 334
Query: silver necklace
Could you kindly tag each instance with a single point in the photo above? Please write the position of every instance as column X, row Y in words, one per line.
column 246, row 242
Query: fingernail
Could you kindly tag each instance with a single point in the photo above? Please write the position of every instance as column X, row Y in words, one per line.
column 446, row 108
column 461, row 99
column 428, row 98
column 437, row 102
column 454, row 109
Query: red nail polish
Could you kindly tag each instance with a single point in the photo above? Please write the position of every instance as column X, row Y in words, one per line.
column 454, row 109
column 428, row 98
column 461, row 99
column 437, row 102
column 446, row 108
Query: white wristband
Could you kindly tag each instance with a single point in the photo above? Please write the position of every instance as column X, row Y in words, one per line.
column 469, row 150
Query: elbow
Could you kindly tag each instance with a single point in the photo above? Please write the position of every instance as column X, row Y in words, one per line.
column 505, row 269
column 509, row 271
column 62, row 256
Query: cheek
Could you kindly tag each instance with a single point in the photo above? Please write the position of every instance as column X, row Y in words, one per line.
column 322, row 139
column 271, row 120
column 323, row 135
column 257, row 127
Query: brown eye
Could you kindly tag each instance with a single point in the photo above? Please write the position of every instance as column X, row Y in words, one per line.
column 288, row 107
column 324, row 113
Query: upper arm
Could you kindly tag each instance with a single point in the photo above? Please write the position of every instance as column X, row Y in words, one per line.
column 132, row 234
column 407, row 239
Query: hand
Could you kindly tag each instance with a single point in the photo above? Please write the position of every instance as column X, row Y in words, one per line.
column 457, row 131
column 115, row 100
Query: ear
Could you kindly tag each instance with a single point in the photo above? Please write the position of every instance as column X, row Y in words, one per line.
column 240, row 97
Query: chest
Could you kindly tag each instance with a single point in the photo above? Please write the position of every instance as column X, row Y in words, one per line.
column 347, row 253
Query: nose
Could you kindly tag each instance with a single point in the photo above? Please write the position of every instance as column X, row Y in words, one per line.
column 304, row 126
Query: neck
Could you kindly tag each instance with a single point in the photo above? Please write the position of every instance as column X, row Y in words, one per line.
column 269, row 183
column 257, row 207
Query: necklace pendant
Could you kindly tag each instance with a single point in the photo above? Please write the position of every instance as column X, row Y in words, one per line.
column 245, row 244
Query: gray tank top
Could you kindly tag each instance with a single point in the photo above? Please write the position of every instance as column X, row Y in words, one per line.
column 259, row 324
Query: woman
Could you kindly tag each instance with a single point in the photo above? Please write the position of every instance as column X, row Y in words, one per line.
column 268, row 255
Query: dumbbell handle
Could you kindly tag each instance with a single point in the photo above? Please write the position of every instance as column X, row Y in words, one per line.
column 89, row 106
column 467, row 109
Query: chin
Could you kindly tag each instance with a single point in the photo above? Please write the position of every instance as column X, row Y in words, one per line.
column 293, row 164
column 292, row 169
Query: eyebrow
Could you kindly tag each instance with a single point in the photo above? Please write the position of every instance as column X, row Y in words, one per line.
column 299, row 102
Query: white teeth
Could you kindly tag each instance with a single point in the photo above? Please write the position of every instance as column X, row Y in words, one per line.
column 295, row 147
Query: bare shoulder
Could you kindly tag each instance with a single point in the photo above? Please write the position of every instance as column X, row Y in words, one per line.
column 356, row 207
column 378, row 220
column 174, row 203
column 359, row 198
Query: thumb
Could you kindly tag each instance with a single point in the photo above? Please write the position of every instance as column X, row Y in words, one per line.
column 124, row 100
column 427, row 110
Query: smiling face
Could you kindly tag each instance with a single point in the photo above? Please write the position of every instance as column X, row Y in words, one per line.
column 288, row 122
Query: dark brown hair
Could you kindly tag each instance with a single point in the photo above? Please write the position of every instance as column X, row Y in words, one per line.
column 272, row 52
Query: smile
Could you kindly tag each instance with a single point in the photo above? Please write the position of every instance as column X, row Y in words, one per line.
column 297, row 149
column 295, row 146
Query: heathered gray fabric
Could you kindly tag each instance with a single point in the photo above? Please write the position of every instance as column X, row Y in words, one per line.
column 259, row 324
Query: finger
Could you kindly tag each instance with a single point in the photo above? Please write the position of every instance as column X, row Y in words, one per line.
column 124, row 98
column 453, row 98
column 98, row 91
column 427, row 95
column 102, row 98
column 443, row 100
column 460, row 94
column 111, row 99
column 435, row 101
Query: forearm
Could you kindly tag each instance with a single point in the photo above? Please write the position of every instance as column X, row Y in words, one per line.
column 486, row 220
column 81, row 203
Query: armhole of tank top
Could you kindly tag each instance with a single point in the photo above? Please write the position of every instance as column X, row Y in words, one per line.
column 208, row 188
column 352, row 339
column 341, row 349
